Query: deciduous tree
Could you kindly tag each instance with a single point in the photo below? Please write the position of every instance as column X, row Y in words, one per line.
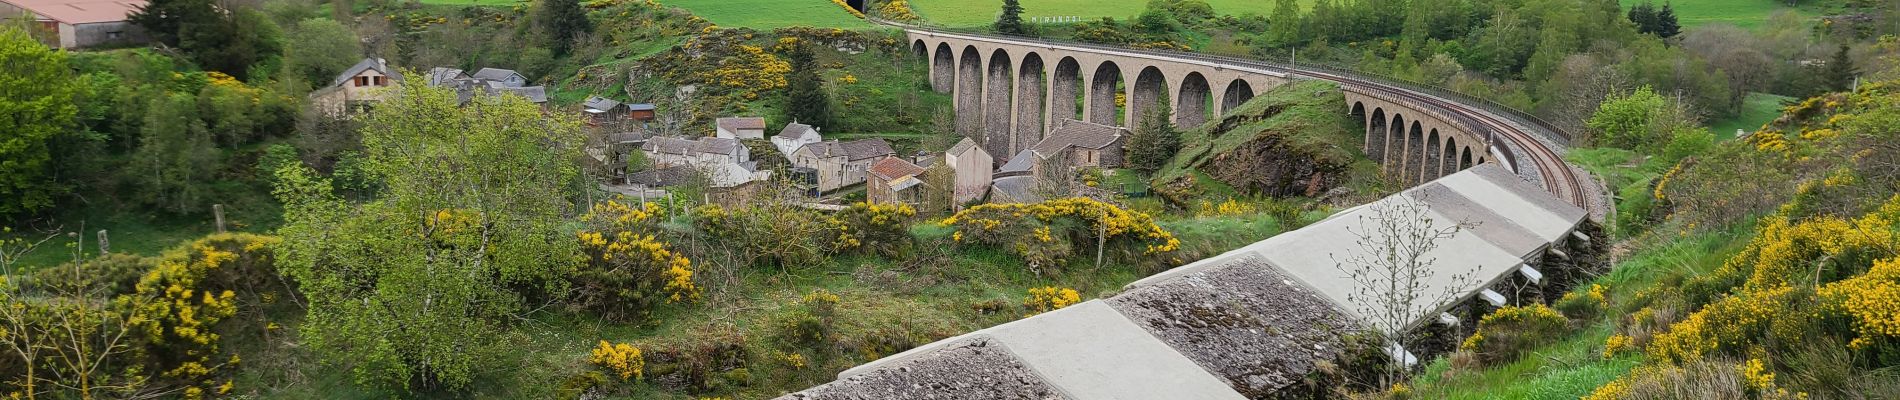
column 36, row 105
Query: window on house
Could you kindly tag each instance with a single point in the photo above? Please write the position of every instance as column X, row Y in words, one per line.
column 362, row 81
column 378, row 80
column 115, row 35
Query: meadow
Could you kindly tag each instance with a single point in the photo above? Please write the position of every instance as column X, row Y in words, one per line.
column 965, row 13
column 769, row 14
column 1742, row 13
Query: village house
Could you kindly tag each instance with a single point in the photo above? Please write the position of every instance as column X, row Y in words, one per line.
column 602, row 111
column 642, row 112
column 1072, row 145
column 356, row 89
column 724, row 161
column 80, row 23
column 972, row 166
column 743, row 128
column 795, row 135
column 488, row 82
column 841, row 163
column 893, row 180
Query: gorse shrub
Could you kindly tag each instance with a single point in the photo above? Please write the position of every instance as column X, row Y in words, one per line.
column 1049, row 298
column 178, row 306
column 1585, row 305
column 624, row 360
column 1046, row 234
column 626, row 269
column 769, row 234
column 882, row 229
column 1510, row 331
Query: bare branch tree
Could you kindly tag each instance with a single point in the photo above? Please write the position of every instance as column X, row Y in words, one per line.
column 1395, row 280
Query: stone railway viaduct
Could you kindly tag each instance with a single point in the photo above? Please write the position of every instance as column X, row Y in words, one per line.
column 1009, row 91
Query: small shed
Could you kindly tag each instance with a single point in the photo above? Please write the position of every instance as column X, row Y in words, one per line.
column 642, row 111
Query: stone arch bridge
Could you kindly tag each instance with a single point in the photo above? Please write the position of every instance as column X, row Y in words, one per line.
column 1009, row 91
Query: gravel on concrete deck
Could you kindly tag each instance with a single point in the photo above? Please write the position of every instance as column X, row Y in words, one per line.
column 975, row 370
column 1243, row 321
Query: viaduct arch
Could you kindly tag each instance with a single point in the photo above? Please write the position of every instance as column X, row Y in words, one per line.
column 1009, row 92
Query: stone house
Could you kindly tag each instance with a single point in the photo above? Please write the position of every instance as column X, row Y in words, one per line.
column 602, row 111
column 356, row 89
column 507, row 77
column 724, row 161
column 893, row 180
column 487, row 82
column 972, row 165
column 841, row 163
column 744, row 128
column 80, row 23
column 795, row 135
column 1072, row 145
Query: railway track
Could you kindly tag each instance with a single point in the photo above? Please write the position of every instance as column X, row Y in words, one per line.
column 1520, row 130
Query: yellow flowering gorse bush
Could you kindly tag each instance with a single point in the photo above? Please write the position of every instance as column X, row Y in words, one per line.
column 622, row 359
column 1049, row 298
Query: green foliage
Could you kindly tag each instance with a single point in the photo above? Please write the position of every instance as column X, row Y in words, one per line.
column 319, row 49
column 882, row 229
column 806, row 100
column 1511, row 331
column 176, row 154
column 627, row 270
column 1153, row 144
column 564, row 22
column 1010, row 22
column 1644, row 120
column 764, row 234
column 1840, row 71
column 36, row 105
column 409, row 290
column 230, row 40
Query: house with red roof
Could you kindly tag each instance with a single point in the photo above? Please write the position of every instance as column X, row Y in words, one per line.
column 81, row 23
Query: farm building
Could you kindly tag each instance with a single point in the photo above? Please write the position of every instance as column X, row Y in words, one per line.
column 80, row 23
column 745, row 128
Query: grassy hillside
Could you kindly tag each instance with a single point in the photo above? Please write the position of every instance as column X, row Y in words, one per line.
column 769, row 14
column 1250, row 151
column 1743, row 13
column 982, row 12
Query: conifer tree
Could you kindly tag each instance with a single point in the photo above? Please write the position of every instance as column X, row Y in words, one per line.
column 1840, row 71
column 1666, row 24
column 1011, row 22
column 806, row 101
column 564, row 21
column 1644, row 15
column 1154, row 142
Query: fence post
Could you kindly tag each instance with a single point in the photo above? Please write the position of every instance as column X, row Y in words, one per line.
column 217, row 211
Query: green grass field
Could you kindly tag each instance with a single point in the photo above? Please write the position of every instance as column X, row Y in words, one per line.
column 491, row 3
column 1757, row 109
column 769, row 14
column 1743, row 13
column 981, row 12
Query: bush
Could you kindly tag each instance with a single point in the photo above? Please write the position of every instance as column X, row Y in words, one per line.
column 1508, row 332
column 621, row 359
column 111, row 274
column 882, row 229
column 178, row 309
column 1045, row 234
column 627, row 270
column 1049, row 298
column 1584, row 305
column 769, row 234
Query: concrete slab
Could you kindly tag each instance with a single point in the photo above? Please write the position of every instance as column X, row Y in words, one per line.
column 976, row 369
column 1092, row 352
column 1501, row 231
column 1244, row 321
column 1529, row 206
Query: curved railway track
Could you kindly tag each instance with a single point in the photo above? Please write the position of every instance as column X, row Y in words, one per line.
column 1521, row 131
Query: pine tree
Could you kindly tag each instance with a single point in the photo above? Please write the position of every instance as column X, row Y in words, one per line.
column 1154, row 142
column 806, row 101
column 1840, row 72
column 1011, row 22
column 1644, row 15
column 564, row 21
column 1666, row 24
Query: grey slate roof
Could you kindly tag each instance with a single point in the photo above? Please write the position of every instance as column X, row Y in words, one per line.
column 377, row 64
column 1022, row 162
column 1014, row 189
column 796, row 131
column 962, row 146
column 444, row 76
column 673, row 145
column 1250, row 323
column 600, row 103
column 1074, row 133
column 642, row 107
column 867, row 148
column 662, row 177
column 494, row 74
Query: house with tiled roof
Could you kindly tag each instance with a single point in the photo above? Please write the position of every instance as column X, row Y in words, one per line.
column 486, row 82
column 893, row 180
column 841, row 163
column 744, row 128
column 80, row 23
column 795, row 135
column 507, row 77
column 357, row 88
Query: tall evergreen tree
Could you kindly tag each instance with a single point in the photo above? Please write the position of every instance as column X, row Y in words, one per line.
column 1840, row 72
column 1666, row 24
column 563, row 21
column 806, row 101
column 1644, row 15
column 1154, row 142
column 1011, row 22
